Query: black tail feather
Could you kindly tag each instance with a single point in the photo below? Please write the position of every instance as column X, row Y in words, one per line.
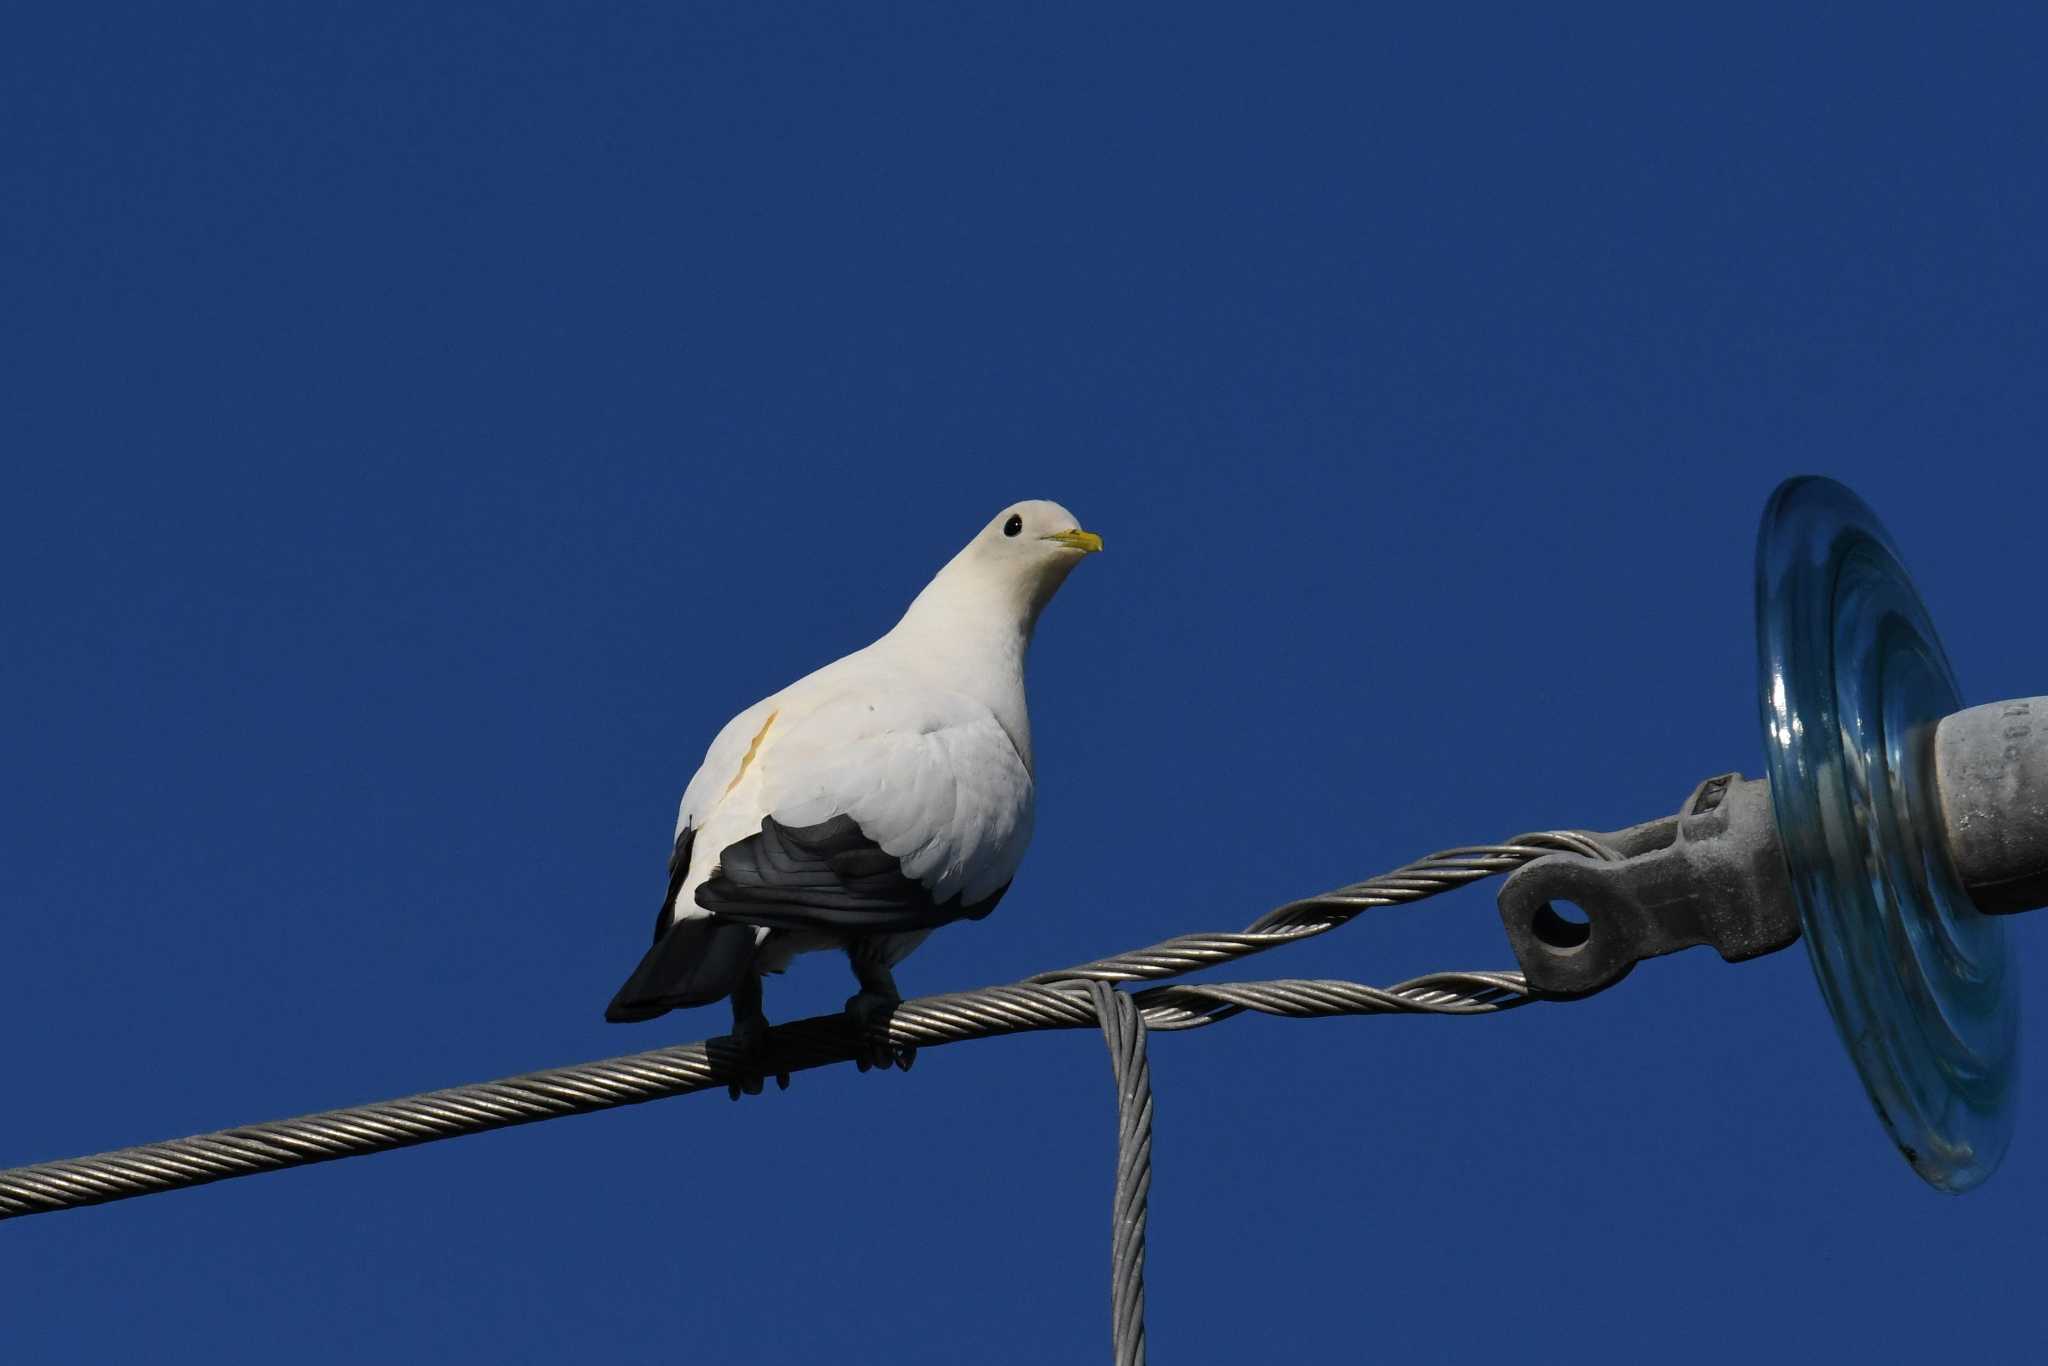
column 699, row 959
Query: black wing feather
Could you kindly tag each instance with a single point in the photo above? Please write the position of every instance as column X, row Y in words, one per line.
column 678, row 869
column 825, row 876
column 693, row 961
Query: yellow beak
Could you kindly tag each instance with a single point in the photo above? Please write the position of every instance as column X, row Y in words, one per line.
column 1087, row 542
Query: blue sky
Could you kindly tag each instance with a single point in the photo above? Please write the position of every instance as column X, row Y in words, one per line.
column 423, row 426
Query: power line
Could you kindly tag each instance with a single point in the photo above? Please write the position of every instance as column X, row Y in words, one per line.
column 1079, row 997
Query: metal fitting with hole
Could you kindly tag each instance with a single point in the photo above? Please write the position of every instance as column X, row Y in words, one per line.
column 1716, row 874
column 1712, row 874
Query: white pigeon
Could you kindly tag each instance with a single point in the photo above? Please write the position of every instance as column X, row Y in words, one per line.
column 868, row 803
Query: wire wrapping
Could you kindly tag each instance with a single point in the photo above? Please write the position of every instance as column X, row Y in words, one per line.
column 1054, row 1000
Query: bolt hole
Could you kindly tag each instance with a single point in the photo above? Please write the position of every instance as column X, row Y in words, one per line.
column 1562, row 926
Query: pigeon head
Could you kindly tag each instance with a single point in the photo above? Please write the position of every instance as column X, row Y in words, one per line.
column 1033, row 534
column 1011, row 569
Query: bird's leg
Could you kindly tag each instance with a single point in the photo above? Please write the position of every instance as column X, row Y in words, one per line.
column 750, row 1032
column 871, row 1008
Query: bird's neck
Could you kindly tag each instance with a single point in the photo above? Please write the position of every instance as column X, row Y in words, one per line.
column 970, row 635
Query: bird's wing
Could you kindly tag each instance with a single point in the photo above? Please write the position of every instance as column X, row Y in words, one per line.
column 722, row 763
column 678, row 874
column 887, row 808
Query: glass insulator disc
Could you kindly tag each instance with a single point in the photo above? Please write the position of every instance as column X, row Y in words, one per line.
column 1854, row 680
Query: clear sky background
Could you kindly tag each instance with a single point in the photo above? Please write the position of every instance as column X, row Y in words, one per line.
column 424, row 425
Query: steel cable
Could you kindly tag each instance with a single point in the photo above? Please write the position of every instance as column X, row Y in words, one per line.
column 1054, row 1000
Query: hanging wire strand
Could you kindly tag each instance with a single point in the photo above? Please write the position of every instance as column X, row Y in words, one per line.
column 1054, row 1000
column 1123, row 1028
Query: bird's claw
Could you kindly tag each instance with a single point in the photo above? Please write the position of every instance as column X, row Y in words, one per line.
column 870, row 1011
column 752, row 1038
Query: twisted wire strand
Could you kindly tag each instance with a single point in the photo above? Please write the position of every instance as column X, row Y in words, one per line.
column 1431, row 875
column 1123, row 1028
column 1055, row 1000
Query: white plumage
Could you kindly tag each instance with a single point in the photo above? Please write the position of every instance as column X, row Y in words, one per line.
column 871, row 801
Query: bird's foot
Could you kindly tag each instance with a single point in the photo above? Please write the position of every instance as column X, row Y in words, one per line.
column 752, row 1037
column 870, row 1010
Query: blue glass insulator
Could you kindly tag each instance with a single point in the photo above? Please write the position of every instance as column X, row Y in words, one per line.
column 1853, row 680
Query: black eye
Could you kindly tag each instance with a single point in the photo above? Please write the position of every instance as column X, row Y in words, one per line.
column 1014, row 525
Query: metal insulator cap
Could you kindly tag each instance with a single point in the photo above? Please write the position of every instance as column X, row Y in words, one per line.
column 1991, row 766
